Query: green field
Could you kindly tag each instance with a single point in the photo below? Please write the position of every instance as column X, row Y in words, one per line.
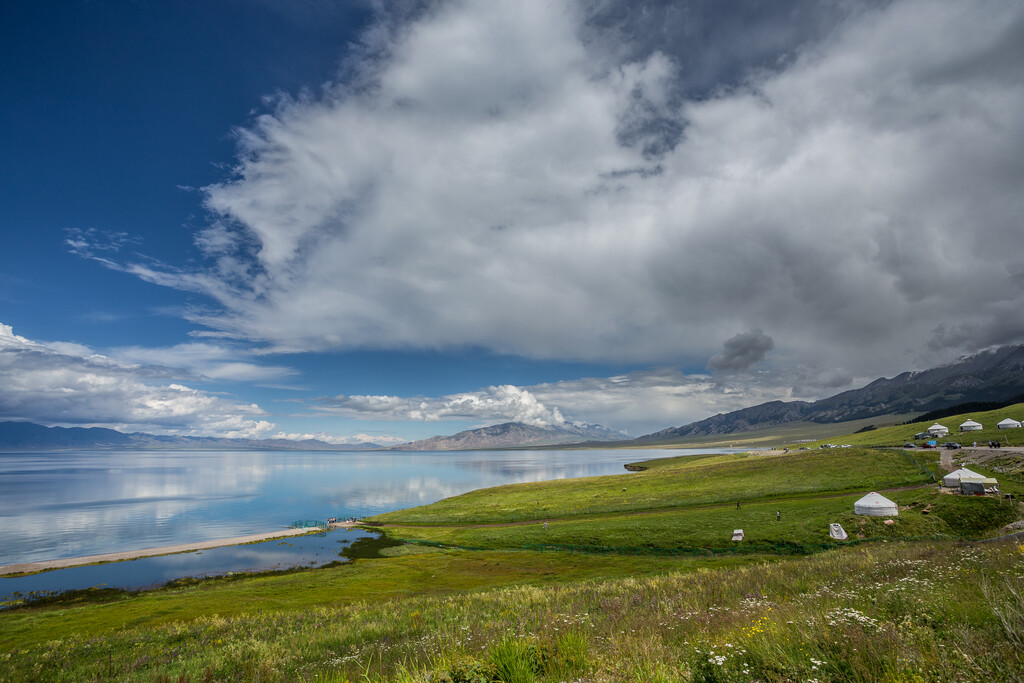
column 896, row 612
column 695, row 502
column 899, row 434
column 789, row 433
column 635, row 578
column 685, row 481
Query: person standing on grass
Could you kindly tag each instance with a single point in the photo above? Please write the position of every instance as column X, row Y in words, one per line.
column 778, row 516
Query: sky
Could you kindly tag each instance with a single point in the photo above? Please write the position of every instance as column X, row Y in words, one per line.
column 382, row 221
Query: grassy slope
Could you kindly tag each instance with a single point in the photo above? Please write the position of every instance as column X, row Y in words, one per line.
column 792, row 432
column 899, row 434
column 894, row 613
column 365, row 581
column 681, row 482
column 690, row 502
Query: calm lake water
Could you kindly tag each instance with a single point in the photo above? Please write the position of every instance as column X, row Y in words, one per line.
column 69, row 504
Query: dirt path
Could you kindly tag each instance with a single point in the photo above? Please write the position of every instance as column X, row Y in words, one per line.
column 26, row 567
column 946, row 460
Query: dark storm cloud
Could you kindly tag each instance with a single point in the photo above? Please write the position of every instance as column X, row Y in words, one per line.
column 742, row 351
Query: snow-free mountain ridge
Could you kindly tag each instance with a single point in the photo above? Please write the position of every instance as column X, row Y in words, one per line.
column 993, row 375
column 511, row 434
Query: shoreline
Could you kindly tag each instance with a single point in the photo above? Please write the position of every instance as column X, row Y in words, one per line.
column 66, row 562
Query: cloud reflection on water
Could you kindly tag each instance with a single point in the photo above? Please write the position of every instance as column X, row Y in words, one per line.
column 82, row 503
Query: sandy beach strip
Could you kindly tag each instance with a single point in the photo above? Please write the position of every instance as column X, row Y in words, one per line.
column 146, row 552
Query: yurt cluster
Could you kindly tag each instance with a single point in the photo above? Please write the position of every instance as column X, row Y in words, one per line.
column 937, row 430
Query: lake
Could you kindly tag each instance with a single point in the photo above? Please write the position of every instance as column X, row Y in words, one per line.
column 75, row 503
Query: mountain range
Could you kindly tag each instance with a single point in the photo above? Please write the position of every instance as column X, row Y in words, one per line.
column 994, row 375
column 511, row 434
column 29, row 436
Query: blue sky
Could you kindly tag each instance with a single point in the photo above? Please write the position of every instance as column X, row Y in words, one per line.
column 385, row 221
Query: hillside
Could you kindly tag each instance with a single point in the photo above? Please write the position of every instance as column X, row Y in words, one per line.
column 511, row 434
column 897, row 435
column 995, row 375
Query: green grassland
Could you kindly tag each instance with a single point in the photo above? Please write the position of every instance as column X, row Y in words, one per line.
column 896, row 612
column 789, row 433
column 612, row 590
column 897, row 435
column 695, row 502
column 684, row 481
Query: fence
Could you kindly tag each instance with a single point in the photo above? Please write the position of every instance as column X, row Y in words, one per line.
column 932, row 474
column 308, row 524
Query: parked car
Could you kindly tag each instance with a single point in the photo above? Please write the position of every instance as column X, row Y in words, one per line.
column 910, row 444
column 951, row 445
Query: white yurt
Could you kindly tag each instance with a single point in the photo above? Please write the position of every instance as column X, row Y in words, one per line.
column 875, row 505
column 938, row 430
column 970, row 426
column 1009, row 423
column 952, row 480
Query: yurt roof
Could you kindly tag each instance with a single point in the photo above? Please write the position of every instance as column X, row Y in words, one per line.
column 1009, row 421
column 969, row 423
column 964, row 473
column 937, row 425
column 875, row 500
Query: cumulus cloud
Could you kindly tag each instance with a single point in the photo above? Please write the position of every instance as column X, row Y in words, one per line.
column 534, row 178
column 500, row 403
column 742, row 351
column 67, row 384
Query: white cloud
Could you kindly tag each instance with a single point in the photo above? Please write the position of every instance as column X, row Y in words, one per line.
column 67, row 384
column 214, row 361
column 491, row 180
column 381, row 439
column 500, row 403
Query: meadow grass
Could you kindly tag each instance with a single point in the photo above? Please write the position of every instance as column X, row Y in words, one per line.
column 684, row 482
column 895, row 612
column 365, row 580
column 801, row 522
column 897, row 435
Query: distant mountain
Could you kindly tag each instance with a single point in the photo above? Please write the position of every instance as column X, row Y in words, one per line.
column 511, row 434
column 27, row 436
column 995, row 375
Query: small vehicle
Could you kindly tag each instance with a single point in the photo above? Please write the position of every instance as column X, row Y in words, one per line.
column 910, row 444
column 951, row 445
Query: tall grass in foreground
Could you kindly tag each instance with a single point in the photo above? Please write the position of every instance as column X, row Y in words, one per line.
column 895, row 612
